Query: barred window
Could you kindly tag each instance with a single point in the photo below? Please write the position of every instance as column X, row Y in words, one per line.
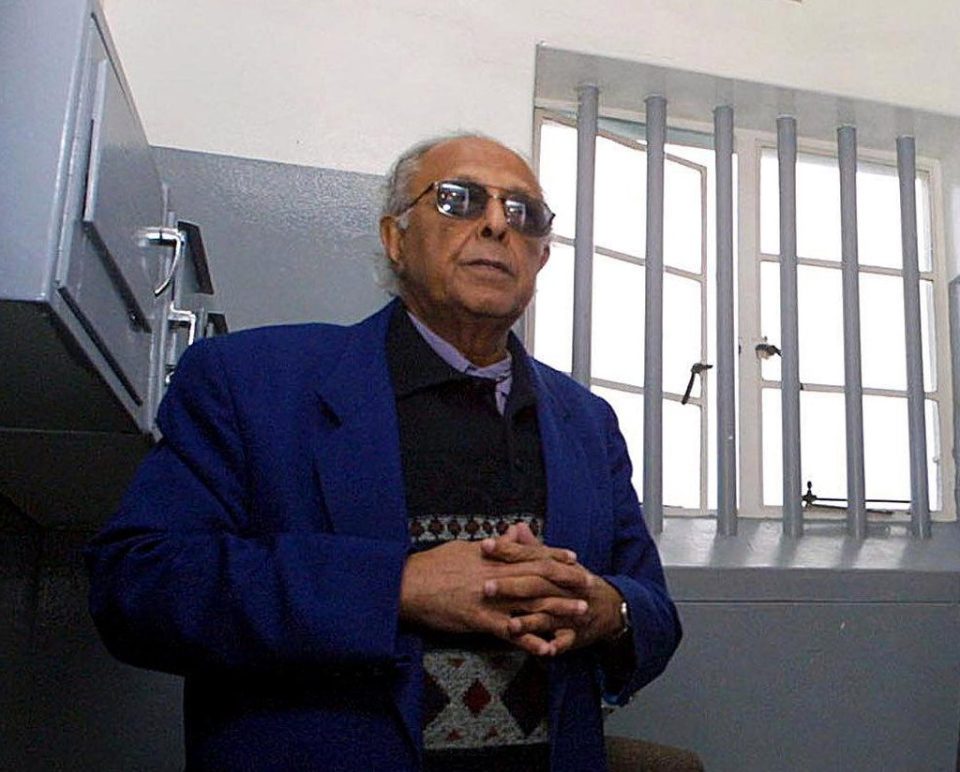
column 689, row 454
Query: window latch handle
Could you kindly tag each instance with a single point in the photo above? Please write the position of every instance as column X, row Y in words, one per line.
column 766, row 350
column 697, row 369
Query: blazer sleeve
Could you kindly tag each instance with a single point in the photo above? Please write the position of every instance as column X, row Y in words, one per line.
column 637, row 574
column 180, row 584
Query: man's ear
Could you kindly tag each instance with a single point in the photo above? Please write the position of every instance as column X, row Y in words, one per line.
column 544, row 254
column 391, row 236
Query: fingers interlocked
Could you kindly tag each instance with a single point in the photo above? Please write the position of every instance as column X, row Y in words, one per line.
column 542, row 590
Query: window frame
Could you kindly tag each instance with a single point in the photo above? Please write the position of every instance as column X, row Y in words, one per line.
column 749, row 145
column 701, row 401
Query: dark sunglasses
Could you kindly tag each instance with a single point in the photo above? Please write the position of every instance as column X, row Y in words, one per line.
column 467, row 200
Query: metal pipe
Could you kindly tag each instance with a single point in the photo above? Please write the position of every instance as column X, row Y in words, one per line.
column 589, row 96
column 853, row 383
column 656, row 119
column 789, row 329
column 919, row 495
column 726, row 343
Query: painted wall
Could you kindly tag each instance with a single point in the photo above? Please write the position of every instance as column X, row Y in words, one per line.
column 285, row 243
column 346, row 85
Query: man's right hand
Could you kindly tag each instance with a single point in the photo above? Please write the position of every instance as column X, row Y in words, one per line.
column 602, row 619
column 443, row 589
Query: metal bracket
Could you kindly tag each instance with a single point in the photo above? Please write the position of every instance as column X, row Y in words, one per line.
column 184, row 317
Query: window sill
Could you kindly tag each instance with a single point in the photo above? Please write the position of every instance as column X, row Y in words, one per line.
column 760, row 564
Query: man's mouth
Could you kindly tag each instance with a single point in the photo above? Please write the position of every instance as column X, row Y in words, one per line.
column 492, row 264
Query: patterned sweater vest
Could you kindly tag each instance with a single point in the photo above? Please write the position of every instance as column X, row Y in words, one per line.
column 469, row 473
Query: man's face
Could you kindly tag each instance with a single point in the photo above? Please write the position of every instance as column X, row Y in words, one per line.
column 453, row 271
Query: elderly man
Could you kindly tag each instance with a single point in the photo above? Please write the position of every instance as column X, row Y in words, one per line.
column 399, row 545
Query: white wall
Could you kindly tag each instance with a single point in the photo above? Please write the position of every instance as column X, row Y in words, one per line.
column 346, row 85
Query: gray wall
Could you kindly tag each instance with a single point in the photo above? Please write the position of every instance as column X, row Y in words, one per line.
column 285, row 243
column 807, row 686
column 795, row 658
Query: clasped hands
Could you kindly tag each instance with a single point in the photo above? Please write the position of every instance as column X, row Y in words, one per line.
column 537, row 597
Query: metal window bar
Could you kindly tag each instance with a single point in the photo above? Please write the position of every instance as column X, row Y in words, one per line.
column 656, row 119
column 726, row 395
column 853, row 391
column 587, row 112
column 789, row 330
column 919, row 495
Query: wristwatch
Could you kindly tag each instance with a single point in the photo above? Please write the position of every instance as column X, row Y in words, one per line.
column 625, row 625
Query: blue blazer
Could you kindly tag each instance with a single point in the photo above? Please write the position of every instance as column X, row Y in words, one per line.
column 259, row 551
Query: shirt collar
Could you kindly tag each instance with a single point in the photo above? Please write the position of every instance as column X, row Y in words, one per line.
column 449, row 353
column 415, row 365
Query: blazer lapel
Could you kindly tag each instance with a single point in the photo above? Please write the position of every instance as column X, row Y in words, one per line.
column 571, row 502
column 357, row 448
column 571, row 497
column 357, row 461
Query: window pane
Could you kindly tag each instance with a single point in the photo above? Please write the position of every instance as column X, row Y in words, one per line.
column 681, row 445
column 878, row 216
column 928, row 336
column 553, row 320
column 886, row 445
column 823, row 444
column 882, row 332
column 772, row 461
column 886, row 436
column 820, row 308
column 558, row 174
column 934, row 476
column 924, row 242
column 820, row 301
column 620, row 211
column 681, row 332
column 682, row 217
column 681, row 455
column 882, row 346
column 769, row 203
column 818, row 205
column 629, row 409
column 770, row 317
column 618, row 306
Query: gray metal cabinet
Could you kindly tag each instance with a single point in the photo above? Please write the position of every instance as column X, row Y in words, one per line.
column 101, row 288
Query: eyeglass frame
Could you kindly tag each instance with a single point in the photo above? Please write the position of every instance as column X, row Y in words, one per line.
column 501, row 198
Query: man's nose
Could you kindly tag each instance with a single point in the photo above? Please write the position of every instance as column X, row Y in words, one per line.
column 494, row 220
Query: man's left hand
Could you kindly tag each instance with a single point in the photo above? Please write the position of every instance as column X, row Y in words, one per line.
column 600, row 622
